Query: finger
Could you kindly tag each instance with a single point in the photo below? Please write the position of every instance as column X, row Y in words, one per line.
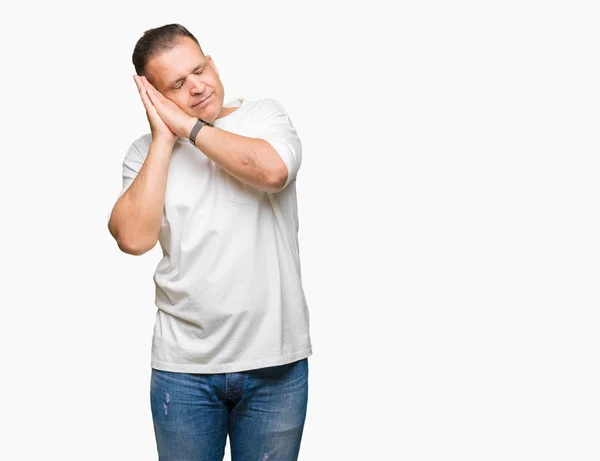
column 153, row 92
column 141, row 90
column 147, row 82
column 155, row 98
column 151, row 97
column 138, row 82
column 147, row 102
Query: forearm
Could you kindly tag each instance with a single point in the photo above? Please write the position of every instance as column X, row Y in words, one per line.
column 251, row 160
column 136, row 218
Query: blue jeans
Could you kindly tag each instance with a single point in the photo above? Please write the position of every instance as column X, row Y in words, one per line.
column 262, row 410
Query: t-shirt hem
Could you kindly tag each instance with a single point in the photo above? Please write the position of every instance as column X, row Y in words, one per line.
column 231, row 367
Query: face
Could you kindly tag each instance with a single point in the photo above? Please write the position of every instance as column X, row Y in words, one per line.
column 190, row 79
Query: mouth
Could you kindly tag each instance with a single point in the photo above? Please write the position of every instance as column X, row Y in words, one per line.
column 203, row 102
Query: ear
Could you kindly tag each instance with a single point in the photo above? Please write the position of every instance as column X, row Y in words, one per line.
column 212, row 64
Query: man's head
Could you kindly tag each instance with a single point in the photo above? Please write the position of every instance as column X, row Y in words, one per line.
column 171, row 59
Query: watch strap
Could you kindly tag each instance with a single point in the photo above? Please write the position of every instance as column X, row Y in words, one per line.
column 197, row 127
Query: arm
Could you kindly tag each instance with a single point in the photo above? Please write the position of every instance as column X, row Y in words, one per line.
column 251, row 160
column 136, row 217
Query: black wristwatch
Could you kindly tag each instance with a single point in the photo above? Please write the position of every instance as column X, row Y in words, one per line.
column 199, row 124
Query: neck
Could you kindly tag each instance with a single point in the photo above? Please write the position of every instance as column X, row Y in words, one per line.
column 226, row 111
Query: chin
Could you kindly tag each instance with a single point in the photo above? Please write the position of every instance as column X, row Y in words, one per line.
column 208, row 116
column 200, row 111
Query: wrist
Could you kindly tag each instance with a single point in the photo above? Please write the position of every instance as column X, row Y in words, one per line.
column 164, row 141
column 199, row 125
column 187, row 127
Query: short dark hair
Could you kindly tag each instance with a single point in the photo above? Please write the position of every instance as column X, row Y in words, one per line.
column 155, row 41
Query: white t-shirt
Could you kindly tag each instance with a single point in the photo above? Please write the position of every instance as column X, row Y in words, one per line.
column 228, row 288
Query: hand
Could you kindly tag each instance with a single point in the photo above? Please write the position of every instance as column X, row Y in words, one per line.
column 177, row 120
column 159, row 129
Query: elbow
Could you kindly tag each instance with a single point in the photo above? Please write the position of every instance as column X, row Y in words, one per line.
column 277, row 179
column 135, row 247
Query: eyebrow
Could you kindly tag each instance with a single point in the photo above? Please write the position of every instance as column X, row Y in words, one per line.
column 180, row 79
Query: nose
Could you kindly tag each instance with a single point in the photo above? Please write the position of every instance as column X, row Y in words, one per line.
column 196, row 85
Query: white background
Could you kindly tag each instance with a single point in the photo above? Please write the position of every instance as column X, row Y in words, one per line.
column 449, row 226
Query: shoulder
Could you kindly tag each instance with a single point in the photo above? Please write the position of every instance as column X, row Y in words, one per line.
column 143, row 142
column 265, row 109
column 269, row 105
column 139, row 147
column 262, row 105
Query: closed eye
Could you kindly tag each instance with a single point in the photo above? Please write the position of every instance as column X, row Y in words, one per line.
column 198, row 72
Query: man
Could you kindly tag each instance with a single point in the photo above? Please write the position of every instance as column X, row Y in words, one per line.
column 215, row 185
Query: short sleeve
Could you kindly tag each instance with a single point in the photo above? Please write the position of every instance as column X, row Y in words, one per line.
column 275, row 127
column 132, row 163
